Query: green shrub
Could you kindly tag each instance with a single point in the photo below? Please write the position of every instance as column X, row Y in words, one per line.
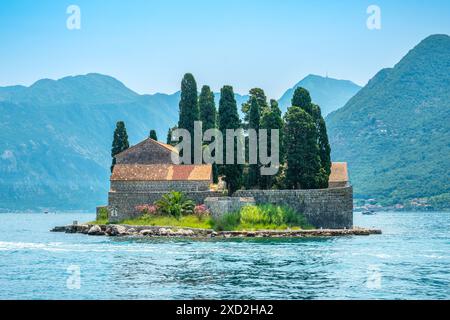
column 261, row 217
column 228, row 221
column 175, row 204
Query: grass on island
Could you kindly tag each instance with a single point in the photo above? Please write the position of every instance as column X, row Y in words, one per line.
column 249, row 218
column 189, row 221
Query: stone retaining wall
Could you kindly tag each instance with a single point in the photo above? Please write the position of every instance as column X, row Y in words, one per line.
column 221, row 205
column 151, row 186
column 121, row 205
column 323, row 208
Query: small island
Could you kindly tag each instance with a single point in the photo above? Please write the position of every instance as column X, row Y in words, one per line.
column 150, row 195
column 176, row 216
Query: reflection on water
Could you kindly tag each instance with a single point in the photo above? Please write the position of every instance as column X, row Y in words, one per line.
column 410, row 260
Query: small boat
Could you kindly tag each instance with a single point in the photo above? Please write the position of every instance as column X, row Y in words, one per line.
column 368, row 213
column 45, row 212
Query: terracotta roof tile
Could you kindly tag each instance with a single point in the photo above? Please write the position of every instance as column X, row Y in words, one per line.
column 161, row 172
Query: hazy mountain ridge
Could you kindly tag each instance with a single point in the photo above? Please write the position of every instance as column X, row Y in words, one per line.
column 330, row 94
column 395, row 132
column 56, row 138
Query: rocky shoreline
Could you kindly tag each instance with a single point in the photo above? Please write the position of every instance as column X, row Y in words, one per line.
column 116, row 230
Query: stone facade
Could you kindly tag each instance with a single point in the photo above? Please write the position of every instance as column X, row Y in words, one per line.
column 156, row 186
column 123, row 204
column 145, row 172
column 221, row 205
column 323, row 208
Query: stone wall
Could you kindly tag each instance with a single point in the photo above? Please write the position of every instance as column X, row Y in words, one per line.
column 221, row 205
column 152, row 186
column 323, row 208
column 121, row 205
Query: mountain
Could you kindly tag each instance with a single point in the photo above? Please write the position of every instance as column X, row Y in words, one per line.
column 330, row 94
column 395, row 132
column 56, row 138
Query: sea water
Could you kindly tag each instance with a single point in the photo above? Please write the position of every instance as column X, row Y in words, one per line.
column 410, row 260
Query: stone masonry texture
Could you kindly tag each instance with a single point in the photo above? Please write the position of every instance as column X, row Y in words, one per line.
column 323, row 208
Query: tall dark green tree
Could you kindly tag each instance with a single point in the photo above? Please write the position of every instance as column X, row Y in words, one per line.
column 324, row 146
column 153, row 135
column 208, row 116
column 273, row 120
column 254, row 123
column 261, row 99
column 302, row 151
column 120, row 141
column 207, row 106
column 229, row 119
column 189, row 111
column 302, row 99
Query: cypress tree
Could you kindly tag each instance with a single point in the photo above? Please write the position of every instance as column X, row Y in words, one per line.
column 208, row 116
column 189, row 111
column 324, row 146
column 229, row 119
column 153, row 135
column 261, row 99
column 254, row 123
column 207, row 106
column 302, row 99
column 302, row 151
column 169, row 136
column 273, row 120
column 120, row 142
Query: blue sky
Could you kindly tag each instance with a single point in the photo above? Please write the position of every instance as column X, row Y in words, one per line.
column 150, row 44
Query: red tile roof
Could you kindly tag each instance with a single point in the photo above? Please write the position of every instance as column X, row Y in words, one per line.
column 161, row 172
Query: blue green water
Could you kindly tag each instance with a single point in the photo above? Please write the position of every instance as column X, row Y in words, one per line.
column 410, row 260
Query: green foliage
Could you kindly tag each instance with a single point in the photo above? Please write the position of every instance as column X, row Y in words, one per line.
column 263, row 217
column 226, row 222
column 187, row 221
column 103, row 214
column 303, row 161
column 440, row 202
column 189, row 110
column 229, row 119
column 395, row 132
column 175, row 204
column 102, row 217
column 261, row 100
column 272, row 120
column 302, row 99
column 324, row 147
column 153, row 135
column 208, row 116
column 254, row 122
column 311, row 152
column 120, row 141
